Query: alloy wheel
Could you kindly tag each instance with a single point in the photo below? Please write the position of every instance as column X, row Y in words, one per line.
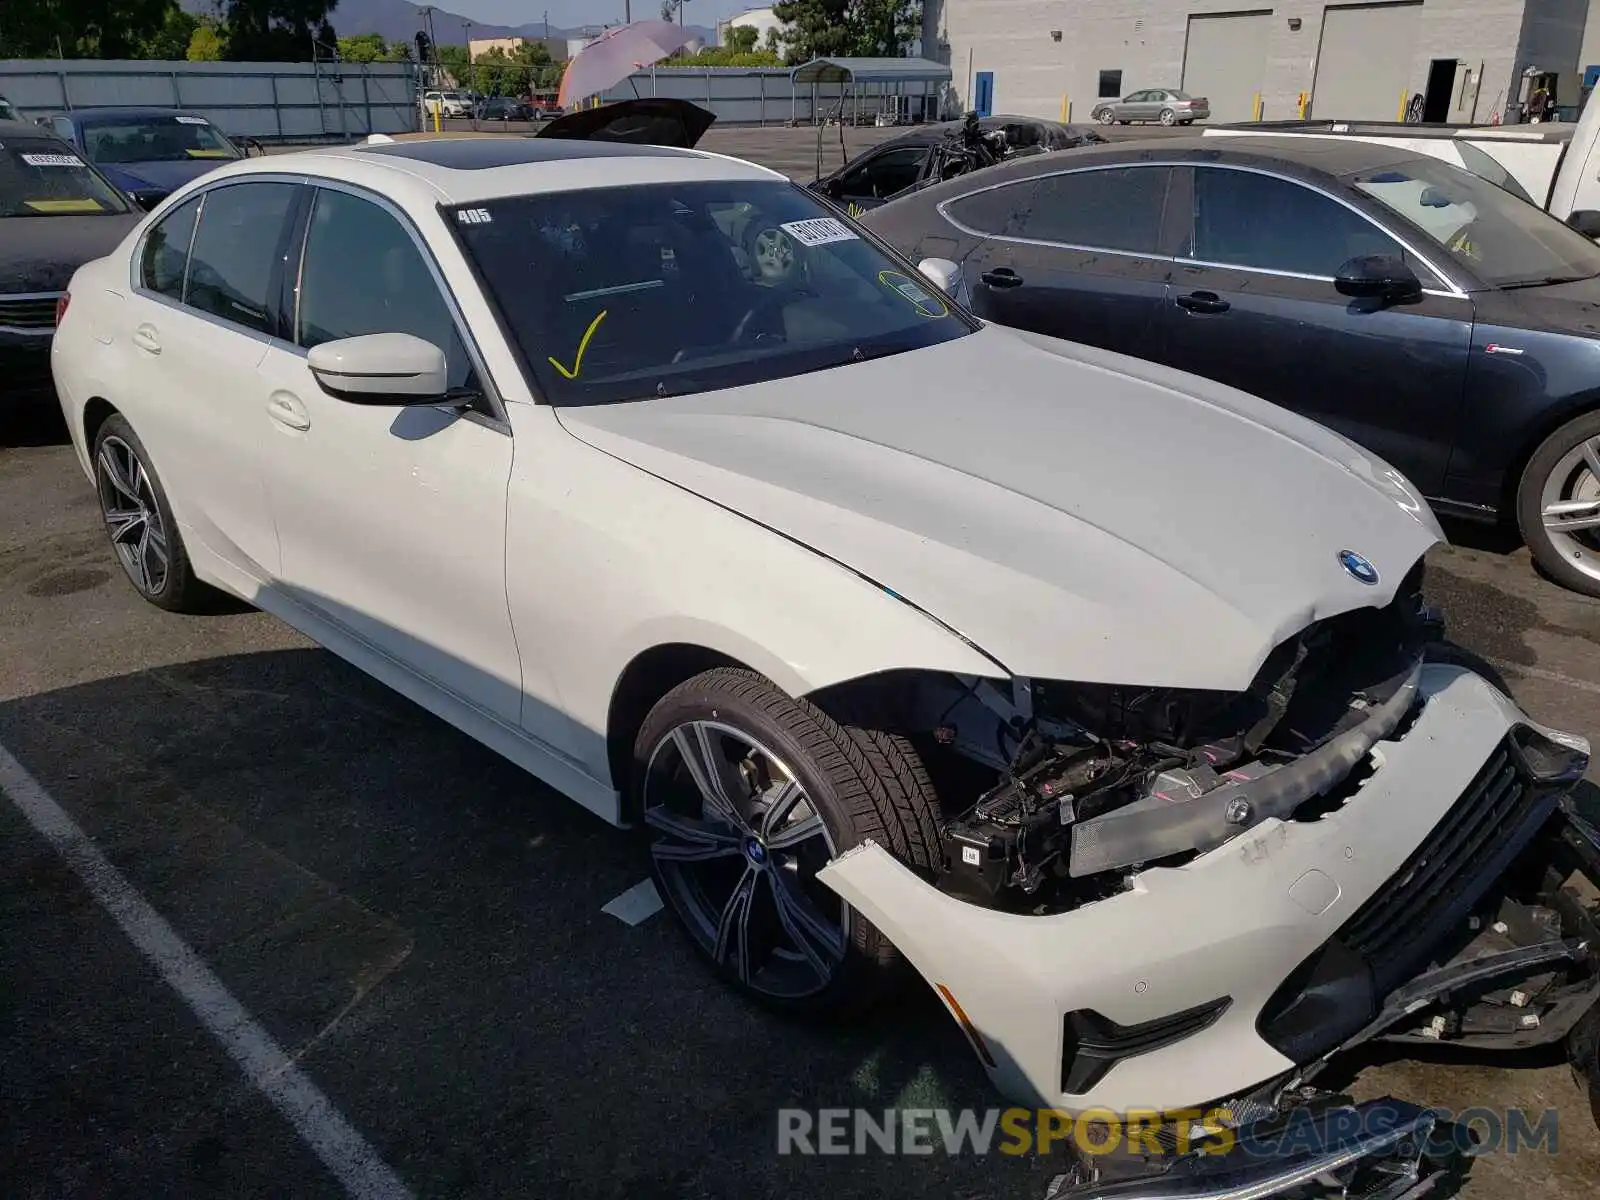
column 1168, row 117
column 737, row 844
column 132, row 515
column 1570, row 507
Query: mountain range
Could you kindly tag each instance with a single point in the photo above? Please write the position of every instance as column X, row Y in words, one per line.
column 398, row 20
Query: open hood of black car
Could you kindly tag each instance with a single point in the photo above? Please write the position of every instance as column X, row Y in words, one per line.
column 650, row 121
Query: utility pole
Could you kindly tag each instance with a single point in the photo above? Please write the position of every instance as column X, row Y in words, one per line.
column 627, row 12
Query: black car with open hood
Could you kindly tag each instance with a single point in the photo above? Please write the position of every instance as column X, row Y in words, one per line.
column 648, row 121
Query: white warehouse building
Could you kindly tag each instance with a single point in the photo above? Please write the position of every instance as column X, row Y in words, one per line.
column 1454, row 60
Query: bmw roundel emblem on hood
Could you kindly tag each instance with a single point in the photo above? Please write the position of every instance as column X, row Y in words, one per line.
column 1357, row 567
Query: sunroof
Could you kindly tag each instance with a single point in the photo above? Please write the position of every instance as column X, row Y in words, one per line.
column 479, row 154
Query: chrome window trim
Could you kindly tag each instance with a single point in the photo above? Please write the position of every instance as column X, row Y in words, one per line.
column 1219, row 266
column 1450, row 288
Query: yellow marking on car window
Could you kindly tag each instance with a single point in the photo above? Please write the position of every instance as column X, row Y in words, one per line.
column 85, row 205
column 577, row 363
column 208, row 154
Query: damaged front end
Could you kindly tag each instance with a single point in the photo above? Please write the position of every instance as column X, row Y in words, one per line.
column 1103, row 779
column 1160, row 897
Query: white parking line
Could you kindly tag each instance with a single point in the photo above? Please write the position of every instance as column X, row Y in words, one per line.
column 1582, row 685
column 636, row 905
column 342, row 1150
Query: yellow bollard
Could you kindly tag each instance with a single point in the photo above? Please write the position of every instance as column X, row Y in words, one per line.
column 1400, row 111
column 1305, row 99
column 1255, row 113
column 438, row 113
column 1066, row 110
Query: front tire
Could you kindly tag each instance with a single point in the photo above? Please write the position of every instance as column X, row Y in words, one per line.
column 746, row 793
column 1558, row 505
column 1104, row 117
column 139, row 520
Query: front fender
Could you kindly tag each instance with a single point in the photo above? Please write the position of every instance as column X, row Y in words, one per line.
column 605, row 562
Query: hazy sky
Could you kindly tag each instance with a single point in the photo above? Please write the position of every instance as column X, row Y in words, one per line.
column 570, row 13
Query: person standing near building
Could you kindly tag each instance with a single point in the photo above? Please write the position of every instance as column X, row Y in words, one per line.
column 1538, row 105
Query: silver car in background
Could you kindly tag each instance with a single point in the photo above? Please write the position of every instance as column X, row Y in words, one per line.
column 1163, row 105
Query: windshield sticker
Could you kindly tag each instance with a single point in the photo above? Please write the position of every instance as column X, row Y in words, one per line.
column 190, row 120
column 208, row 154
column 85, row 205
column 52, row 160
column 925, row 302
column 577, row 363
column 473, row 216
column 819, row 231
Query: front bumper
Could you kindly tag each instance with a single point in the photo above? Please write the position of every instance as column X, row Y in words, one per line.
column 1183, row 964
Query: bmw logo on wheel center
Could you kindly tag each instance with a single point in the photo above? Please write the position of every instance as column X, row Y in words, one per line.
column 1357, row 567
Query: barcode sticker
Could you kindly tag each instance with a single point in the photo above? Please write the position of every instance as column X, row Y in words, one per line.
column 819, row 231
column 52, row 160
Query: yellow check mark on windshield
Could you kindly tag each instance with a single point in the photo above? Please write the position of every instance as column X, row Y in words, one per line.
column 577, row 363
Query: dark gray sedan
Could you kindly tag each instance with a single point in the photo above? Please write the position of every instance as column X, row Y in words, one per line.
column 1165, row 106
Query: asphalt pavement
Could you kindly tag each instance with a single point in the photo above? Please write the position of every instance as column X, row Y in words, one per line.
column 418, row 926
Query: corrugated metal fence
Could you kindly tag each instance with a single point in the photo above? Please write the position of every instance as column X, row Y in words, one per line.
column 758, row 96
column 271, row 101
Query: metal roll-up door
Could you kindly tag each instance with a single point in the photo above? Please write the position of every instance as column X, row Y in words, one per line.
column 1225, row 60
column 1364, row 61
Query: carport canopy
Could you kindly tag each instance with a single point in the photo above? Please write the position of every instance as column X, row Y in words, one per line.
column 870, row 70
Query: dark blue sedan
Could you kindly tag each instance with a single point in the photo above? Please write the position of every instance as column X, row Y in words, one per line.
column 147, row 152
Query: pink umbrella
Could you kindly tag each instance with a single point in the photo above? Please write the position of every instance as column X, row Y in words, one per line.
column 616, row 54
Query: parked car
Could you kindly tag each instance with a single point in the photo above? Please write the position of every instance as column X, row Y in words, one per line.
column 544, row 109
column 147, row 152
column 500, row 108
column 1164, row 105
column 889, row 629
column 1415, row 307
column 56, row 213
column 7, row 111
column 448, row 104
column 894, row 167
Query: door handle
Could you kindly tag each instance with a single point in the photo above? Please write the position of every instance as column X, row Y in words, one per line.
column 146, row 339
column 1202, row 302
column 287, row 410
column 1002, row 277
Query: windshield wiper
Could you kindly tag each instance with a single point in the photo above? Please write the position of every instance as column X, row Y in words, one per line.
column 1546, row 281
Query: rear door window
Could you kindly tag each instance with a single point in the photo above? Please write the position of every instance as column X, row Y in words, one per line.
column 1115, row 209
column 236, row 251
column 886, row 174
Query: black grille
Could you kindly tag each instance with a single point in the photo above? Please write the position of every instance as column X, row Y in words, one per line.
column 1448, row 873
column 28, row 312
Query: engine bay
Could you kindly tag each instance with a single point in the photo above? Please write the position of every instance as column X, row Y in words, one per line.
column 1088, row 782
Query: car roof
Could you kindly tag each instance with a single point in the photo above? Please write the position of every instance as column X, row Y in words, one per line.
column 23, row 129
column 1302, row 155
column 428, row 171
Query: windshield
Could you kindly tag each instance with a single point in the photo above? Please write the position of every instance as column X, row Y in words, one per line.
column 155, row 139
column 41, row 177
column 1504, row 241
column 626, row 293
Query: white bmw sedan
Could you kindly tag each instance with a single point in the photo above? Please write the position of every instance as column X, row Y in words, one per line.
column 1094, row 690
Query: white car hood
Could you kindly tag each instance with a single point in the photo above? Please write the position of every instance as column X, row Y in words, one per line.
column 1075, row 514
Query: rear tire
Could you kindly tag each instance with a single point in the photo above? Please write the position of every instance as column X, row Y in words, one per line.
column 1558, row 505
column 138, row 518
column 745, row 793
column 1168, row 117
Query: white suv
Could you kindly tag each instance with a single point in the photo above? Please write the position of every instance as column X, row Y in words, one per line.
column 449, row 104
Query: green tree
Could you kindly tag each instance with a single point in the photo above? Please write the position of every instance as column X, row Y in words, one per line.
column 171, row 40
column 79, row 28
column 454, row 60
column 845, row 28
column 208, row 42
column 363, row 48
column 278, row 30
column 741, row 39
column 721, row 56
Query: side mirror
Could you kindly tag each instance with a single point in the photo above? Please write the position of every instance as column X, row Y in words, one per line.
column 382, row 369
column 1585, row 221
column 1378, row 277
column 943, row 273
